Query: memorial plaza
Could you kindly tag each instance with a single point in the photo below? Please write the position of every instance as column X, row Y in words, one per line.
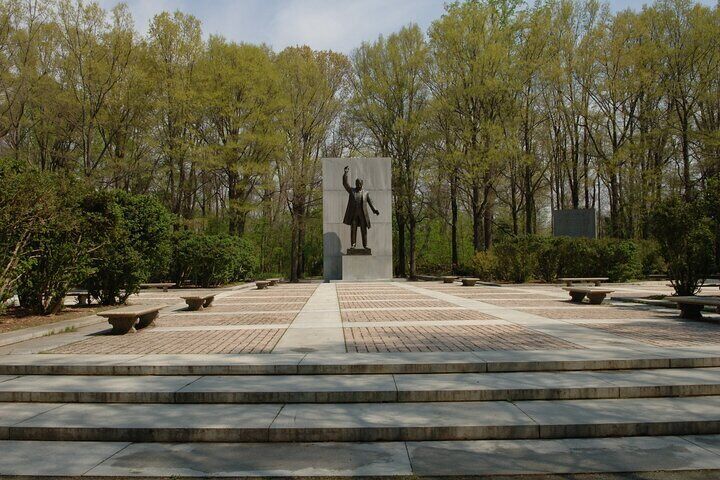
column 360, row 239
column 369, row 379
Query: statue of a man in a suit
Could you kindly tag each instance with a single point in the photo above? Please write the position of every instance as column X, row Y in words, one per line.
column 356, row 213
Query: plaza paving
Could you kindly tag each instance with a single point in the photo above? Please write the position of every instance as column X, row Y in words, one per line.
column 375, row 379
column 397, row 317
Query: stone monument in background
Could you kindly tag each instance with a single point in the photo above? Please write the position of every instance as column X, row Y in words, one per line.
column 352, row 188
column 579, row 222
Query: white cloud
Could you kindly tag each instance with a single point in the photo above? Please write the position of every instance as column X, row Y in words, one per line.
column 340, row 25
column 344, row 24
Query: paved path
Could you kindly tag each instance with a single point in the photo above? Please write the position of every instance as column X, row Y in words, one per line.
column 317, row 327
column 389, row 317
column 665, row 458
column 390, row 379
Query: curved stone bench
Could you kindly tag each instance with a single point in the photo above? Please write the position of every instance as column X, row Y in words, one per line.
column 83, row 296
column 127, row 319
column 595, row 295
column 448, row 279
column 469, row 282
column 262, row 284
column 691, row 307
column 569, row 281
column 164, row 285
column 198, row 302
column 273, row 281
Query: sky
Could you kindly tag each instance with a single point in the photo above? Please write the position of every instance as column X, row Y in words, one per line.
column 339, row 25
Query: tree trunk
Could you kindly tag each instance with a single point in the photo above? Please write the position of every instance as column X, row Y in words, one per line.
column 294, row 255
column 233, row 196
column 514, row 201
column 613, row 191
column 687, row 192
column 454, row 223
column 296, row 243
column 476, row 217
column 529, row 201
column 411, row 234
column 488, row 217
column 401, row 244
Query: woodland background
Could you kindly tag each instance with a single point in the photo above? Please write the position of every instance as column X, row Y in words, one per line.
column 496, row 115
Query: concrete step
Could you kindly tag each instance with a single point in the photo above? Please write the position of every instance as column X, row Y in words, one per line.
column 656, row 458
column 360, row 422
column 458, row 387
column 362, row 363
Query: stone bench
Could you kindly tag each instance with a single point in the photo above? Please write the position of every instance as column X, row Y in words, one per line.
column 569, row 281
column 198, row 302
column 164, row 285
column 691, row 307
column 273, row 281
column 83, row 296
column 127, row 319
column 262, row 284
column 595, row 295
column 448, row 279
column 469, row 282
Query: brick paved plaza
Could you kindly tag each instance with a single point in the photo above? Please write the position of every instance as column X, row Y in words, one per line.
column 464, row 379
column 398, row 317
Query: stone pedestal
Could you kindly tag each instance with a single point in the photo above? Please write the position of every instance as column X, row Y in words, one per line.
column 357, row 268
column 337, row 264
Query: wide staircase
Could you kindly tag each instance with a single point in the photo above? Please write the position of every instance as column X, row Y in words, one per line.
column 393, row 415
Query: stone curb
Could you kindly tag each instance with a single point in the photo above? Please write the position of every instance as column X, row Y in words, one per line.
column 371, row 423
column 145, row 366
column 597, row 390
column 31, row 333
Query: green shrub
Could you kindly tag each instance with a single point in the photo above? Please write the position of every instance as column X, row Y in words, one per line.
column 686, row 240
column 429, row 267
column 619, row 260
column 28, row 203
column 246, row 260
column 136, row 244
column 467, row 268
column 579, row 257
column 485, row 265
column 651, row 259
column 211, row 260
column 516, row 258
column 61, row 250
column 522, row 258
column 548, row 258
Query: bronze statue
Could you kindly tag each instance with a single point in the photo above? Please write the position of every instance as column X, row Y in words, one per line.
column 356, row 213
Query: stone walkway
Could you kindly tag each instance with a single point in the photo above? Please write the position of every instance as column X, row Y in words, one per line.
column 668, row 458
column 384, row 380
column 387, row 317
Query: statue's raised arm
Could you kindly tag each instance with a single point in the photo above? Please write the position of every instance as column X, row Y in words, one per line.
column 345, row 179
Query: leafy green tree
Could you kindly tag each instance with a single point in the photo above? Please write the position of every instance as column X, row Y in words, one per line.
column 136, row 244
column 471, row 47
column 241, row 101
column 686, row 239
column 314, row 85
column 97, row 52
column 28, row 207
column 175, row 48
column 390, row 100
column 62, row 250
